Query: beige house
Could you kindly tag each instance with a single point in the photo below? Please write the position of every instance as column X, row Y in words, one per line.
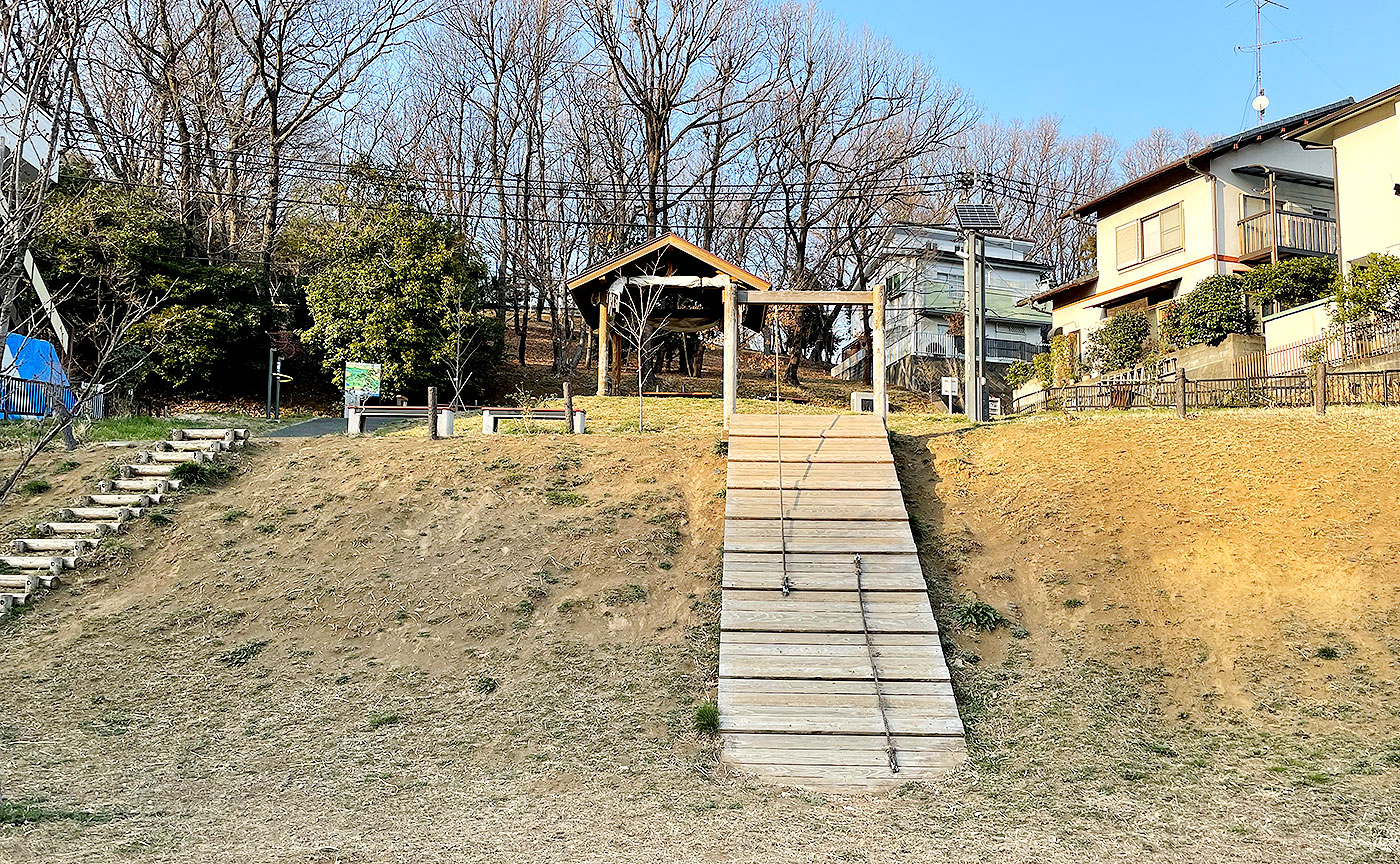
column 1364, row 140
column 1240, row 201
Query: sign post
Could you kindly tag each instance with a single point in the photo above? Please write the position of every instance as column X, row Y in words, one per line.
column 950, row 389
column 362, row 380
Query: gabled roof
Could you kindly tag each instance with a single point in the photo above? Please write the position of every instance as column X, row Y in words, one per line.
column 1322, row 131
column 1074, row 285
column 1184, row 169
column 669, row 241
column 668, row 255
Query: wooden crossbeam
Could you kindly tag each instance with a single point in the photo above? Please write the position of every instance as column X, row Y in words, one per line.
column 804, row 298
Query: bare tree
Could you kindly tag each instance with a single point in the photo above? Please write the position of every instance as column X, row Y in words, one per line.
column 1157, row 148
column 305, row 55
column 640, row 317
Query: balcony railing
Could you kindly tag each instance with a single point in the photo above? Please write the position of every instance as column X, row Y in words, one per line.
column 1292, row 234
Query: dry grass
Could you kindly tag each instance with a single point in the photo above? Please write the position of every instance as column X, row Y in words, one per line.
column 441, row 586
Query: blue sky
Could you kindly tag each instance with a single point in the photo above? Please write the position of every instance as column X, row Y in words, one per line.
column 1123, row 68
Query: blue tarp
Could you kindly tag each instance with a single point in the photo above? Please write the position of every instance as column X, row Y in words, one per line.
column 32, row 376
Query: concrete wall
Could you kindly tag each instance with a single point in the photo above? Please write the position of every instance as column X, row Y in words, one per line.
column 1217, row 361
column 1368, row 167
column 1298, row 324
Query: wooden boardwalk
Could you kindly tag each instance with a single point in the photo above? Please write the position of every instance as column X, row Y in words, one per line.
column 799, row 697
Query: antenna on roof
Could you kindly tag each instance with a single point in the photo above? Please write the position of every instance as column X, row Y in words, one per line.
column 1261, row 102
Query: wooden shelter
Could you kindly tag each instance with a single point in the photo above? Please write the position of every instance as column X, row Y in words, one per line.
column 702, row 290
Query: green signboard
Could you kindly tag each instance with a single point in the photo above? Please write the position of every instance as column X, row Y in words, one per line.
column 361, row 380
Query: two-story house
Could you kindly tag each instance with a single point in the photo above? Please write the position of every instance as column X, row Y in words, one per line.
column 921, row 267
column 1364, row 141
column 1240, row 201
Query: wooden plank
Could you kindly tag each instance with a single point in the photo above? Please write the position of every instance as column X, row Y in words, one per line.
column 859, row 721
column 760, row 637
column 748, row 449
column 802, row 686
column 809, row 426
column 804, row 298
column 779, row 621
column 810, row 580
column 758, row 535
column 815, row 504
column 822, row 562
column 854, row 476
column 743, row 598
column 820, row 667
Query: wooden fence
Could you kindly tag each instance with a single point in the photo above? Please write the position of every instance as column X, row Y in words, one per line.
column 1268, row 391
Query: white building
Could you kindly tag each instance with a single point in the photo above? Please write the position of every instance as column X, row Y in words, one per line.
column 1238, row 202
column 922, row 269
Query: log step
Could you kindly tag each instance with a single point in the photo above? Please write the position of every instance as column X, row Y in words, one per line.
column 209, row 434
column 126, row 500
column 140, row 484
column 138, row 471
column 74, row 546
column 36, row 562
column 13, row 598
column 81, row 529
column 197, row 445
column 24, row 583
column 95, row 514
column 175, row 456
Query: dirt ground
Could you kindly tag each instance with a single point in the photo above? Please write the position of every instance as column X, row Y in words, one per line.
column 491, row 649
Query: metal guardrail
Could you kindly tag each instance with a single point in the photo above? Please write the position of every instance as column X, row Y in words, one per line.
column 1271, row 391
column 22, row 399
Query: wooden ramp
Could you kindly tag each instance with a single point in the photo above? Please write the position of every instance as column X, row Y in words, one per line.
column 816, row 686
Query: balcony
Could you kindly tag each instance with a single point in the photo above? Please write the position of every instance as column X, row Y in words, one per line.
column 1281, row 234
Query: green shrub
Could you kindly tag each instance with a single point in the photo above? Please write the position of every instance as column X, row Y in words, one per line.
column 241, row 656
column 1214, row 309
column 36, row 486
column 1019, row 373
column 1371, row 290
column 707, row 719
column 1292, row 282
column 205, row 474
column 978, row 615
column 624, row 595
column 1120, row 343
column 382, row 718
column 1044, row 367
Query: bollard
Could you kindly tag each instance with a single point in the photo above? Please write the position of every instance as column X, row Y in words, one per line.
column 1180, row 392
column 432, row 414
column 1320, row 388
column 568, row 408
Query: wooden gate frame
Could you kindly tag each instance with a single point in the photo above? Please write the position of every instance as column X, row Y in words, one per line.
column 735, row 298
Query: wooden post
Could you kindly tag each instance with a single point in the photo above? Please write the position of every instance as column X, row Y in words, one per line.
column 568, row 408
column 432, row 413
column 731, row 350
column 604, row 347
column 1320, row 387
column 1180, row 392
column 877, row 351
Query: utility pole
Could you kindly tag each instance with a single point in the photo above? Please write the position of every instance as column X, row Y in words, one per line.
column 975, row 220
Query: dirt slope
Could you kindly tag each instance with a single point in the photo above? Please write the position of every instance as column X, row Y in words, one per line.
column 492, row 649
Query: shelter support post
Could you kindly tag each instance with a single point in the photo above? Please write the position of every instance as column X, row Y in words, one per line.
column 877, row 351
column 731, row 350
column 604, row 348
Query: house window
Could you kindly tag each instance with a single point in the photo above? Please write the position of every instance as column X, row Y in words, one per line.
column 1149, row 237
column 1253, row 205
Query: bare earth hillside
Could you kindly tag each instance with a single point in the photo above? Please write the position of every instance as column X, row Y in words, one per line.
column 383, row 649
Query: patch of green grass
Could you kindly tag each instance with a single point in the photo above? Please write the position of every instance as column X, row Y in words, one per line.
column 265, row 527
column 233, row 515
column 565, row 497
column 131, row 429
column 37, row 486
column 721, row 447
column 624, row 595
column 1073, row 602
column 978, row 615
column 486, row 684
column 65, row 466
column 382, row 718
column 572, row 605
column 204, row 474
column 160, row 518
column 707, row 719
column 1327, row 652
column 241, row 656
column 29, row 811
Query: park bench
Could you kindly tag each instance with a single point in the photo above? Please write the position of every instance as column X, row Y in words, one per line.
column 356, row 414
column 491, row 417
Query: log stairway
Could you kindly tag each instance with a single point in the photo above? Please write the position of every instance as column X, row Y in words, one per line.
column 59, row 545
column 836, row 679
